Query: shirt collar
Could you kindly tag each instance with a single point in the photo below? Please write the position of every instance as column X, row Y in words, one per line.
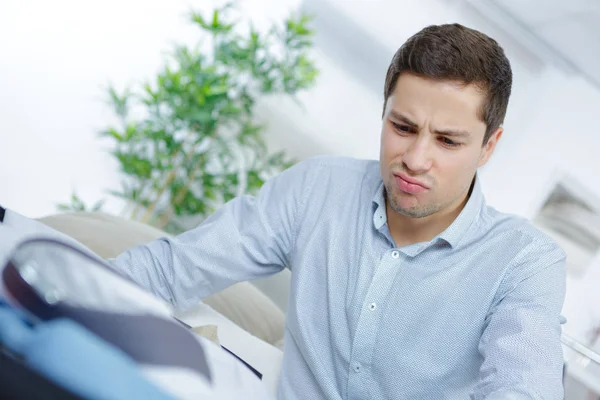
column 379, row 216
column 456, row 231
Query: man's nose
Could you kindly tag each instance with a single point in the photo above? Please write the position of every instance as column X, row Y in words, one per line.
column 418, row 157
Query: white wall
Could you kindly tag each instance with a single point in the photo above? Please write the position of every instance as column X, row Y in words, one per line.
column 56, row 57
column 561, row 138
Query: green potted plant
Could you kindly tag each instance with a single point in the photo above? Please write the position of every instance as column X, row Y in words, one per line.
column 195, row 142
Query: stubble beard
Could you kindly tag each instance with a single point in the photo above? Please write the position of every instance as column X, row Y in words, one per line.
column 417, row 211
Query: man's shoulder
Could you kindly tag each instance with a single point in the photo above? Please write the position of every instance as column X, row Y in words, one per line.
column 325, row 176
column 520, row 233
column 335, row 178
column 339, row 169
column 518, row 248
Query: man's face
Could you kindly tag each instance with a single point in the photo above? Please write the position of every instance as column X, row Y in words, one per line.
column 431, row 144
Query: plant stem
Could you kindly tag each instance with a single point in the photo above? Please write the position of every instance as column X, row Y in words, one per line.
column 147, row 183
column 138, row 205
column 165, row 186
column 179, row 196
column 153, row 205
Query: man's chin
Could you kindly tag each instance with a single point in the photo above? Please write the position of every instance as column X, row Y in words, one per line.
column 411, row 211
column 407, row 204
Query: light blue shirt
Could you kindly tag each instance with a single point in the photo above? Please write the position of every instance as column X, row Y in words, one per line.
column 475, row 312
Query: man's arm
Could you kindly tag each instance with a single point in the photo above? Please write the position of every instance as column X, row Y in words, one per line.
column 248, row 238
column 521, row 345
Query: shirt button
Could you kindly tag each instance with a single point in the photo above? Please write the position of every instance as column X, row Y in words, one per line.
column 395, row 254
column 356, row 367
column 372, row 306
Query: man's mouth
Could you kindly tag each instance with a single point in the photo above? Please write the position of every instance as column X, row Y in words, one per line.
column 410, row 185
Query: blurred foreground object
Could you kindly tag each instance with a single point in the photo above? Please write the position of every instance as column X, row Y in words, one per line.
column 85, row 327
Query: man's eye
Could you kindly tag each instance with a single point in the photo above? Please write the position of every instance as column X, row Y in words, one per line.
column 449, row 142
column 402, row 128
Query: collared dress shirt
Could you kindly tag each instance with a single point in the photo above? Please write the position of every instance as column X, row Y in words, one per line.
column 473, row 313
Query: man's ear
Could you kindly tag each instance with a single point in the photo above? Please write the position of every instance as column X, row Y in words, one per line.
column 488, row 149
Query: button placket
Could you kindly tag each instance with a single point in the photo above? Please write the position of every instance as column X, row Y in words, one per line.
column 368, row 323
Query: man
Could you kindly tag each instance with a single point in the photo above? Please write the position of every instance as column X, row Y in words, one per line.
column 405, row 285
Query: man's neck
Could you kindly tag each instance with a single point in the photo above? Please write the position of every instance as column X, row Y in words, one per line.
column 407, row 230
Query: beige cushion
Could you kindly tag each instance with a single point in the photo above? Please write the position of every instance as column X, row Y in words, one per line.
column 109, row 236
column 210, row 332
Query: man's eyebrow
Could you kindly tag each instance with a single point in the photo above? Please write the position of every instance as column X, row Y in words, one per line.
column 403, row 118
column 445, row 132
column 453, row 132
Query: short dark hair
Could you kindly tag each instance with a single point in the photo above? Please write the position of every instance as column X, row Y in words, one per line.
column 457, row 53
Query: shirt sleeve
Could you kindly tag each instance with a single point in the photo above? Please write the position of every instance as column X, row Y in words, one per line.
column 247, row 238
column 521, row 347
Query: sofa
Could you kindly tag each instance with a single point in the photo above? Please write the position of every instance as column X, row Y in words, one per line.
column 247, row 320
